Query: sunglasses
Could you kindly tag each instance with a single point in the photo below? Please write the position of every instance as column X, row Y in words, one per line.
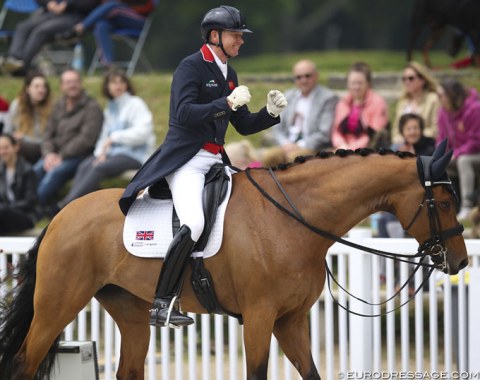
column 306, row 76
column 409, row 78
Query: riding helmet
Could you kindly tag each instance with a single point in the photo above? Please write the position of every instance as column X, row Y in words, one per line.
column 223, row 18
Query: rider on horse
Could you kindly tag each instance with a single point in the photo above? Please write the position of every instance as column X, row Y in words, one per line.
column 204, row 98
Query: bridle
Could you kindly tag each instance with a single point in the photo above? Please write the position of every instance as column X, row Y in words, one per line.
column 433, row 247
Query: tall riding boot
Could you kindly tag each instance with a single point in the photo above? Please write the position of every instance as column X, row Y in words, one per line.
column 170, row 282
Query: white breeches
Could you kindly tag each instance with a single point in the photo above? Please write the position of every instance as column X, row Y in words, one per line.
column 186, row 185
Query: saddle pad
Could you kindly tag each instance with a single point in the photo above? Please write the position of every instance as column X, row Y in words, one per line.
column 147, row 231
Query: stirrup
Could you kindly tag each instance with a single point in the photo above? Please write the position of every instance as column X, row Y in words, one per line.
column 155, row 317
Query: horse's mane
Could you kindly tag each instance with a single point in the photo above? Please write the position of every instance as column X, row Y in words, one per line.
column 363, row 152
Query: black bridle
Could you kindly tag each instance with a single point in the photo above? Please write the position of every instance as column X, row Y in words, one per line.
column 433, row 247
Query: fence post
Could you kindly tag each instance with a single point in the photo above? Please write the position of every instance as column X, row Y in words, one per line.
column 360, row 285
column 473, row 318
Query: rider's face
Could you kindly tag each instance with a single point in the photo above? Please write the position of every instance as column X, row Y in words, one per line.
column 231, row 41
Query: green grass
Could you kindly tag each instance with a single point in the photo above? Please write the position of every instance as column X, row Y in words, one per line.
column 260, row 73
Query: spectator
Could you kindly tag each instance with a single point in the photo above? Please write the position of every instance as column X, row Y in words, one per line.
column 242, row 154
column 18, row 198
column 4, row 106
column 420, row 97
column 32, row 34
column 459, row 121
column 28, row 115
column 411, row 128
column 112, row 14
column 306, row 123
column 70, row 136
column 361, row 117
column 126, row 139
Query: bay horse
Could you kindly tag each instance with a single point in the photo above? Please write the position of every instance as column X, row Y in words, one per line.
column 270, row 269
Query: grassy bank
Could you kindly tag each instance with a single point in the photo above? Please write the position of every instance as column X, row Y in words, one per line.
column 260, row 73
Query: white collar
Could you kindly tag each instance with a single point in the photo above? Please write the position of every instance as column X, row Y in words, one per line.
column 222, row 66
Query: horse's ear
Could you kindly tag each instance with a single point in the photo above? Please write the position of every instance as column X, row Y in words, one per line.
column 439, row 166
column 440, row 150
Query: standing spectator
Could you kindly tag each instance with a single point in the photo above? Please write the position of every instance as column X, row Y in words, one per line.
column 414, row 141
column 70, row 136
column 28, row 115
column 361, row 117
column 419, row 96
column 111, row 15
column 4, row 106
column 306, row 122
column 126, row 139
column 459, row 121
column 18, row 185
column 32, row 34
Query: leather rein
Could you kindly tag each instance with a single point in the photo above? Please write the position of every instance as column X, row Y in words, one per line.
column 433, row 247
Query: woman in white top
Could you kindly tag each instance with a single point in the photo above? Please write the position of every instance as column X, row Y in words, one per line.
column 126, row 139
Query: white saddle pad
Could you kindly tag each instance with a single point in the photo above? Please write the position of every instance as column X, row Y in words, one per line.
column 148, row 226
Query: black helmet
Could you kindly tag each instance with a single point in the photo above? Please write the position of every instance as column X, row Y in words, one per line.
column 223, row 18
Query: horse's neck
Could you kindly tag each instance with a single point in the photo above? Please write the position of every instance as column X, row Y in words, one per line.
column 338, row 193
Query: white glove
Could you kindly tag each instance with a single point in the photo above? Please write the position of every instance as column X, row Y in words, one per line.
column 239, row 97
column 276, row 102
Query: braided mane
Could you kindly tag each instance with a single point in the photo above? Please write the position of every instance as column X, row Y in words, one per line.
column 343, row 153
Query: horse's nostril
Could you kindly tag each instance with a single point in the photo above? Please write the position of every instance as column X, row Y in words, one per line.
column 463, row 264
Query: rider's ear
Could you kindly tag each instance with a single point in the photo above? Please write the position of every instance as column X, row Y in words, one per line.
column 439, row 166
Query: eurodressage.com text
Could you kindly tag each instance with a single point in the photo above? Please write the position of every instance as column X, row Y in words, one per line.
column 408, row 375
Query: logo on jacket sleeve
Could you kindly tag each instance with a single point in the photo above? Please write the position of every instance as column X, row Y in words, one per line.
column 212, row 83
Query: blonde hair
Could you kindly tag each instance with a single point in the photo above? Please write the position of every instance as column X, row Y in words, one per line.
column 24, row 118
column 431, row 84
column 241, row 153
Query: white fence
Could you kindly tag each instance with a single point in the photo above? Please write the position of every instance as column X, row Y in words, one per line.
column 436, row 334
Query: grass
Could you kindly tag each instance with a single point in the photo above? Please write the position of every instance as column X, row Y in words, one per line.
column 260, row 73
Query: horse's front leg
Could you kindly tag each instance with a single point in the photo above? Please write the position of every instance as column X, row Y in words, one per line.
column 292, row 333
column 257, row 333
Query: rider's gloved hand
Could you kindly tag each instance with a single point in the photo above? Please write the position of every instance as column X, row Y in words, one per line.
column 239, row 97
column 276, row 102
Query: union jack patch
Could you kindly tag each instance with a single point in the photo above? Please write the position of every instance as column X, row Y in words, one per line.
column 144, row 235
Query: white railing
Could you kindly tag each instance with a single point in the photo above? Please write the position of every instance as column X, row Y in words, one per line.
column 436, row 333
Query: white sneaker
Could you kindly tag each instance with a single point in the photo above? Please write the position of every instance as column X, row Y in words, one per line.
column 464, row 213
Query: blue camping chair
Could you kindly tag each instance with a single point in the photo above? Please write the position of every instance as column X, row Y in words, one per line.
column 135, row 40
column 23, row 7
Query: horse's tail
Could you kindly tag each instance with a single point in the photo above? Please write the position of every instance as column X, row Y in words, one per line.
column 16, row 314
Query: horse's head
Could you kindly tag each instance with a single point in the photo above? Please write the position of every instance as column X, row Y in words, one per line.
column 434, row 224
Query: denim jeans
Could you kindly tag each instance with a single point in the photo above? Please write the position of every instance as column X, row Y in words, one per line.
column 51, row 182
column 107, row 17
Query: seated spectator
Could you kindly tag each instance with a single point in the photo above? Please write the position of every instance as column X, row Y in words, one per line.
column 112, row 14
column 242, row 154
column 18, row 186
column 361, row 117
column 70, row 136
column 419, row 96
column 306, row 123
column 40, row 28
column 126, row 139
column 4, row 106
column 28, row 115
column 411, row 128
column 458, row 120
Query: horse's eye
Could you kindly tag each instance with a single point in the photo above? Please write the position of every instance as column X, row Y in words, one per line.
column 445, row 205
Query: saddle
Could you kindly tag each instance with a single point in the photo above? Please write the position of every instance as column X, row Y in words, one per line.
column 215, row 190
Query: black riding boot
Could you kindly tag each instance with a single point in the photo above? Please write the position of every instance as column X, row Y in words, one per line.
column 163, row 312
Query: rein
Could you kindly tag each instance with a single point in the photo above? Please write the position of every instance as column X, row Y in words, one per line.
column 433, row 247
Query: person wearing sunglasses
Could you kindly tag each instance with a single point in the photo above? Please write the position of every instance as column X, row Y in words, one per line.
column 419, row 96
column 306, row 123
